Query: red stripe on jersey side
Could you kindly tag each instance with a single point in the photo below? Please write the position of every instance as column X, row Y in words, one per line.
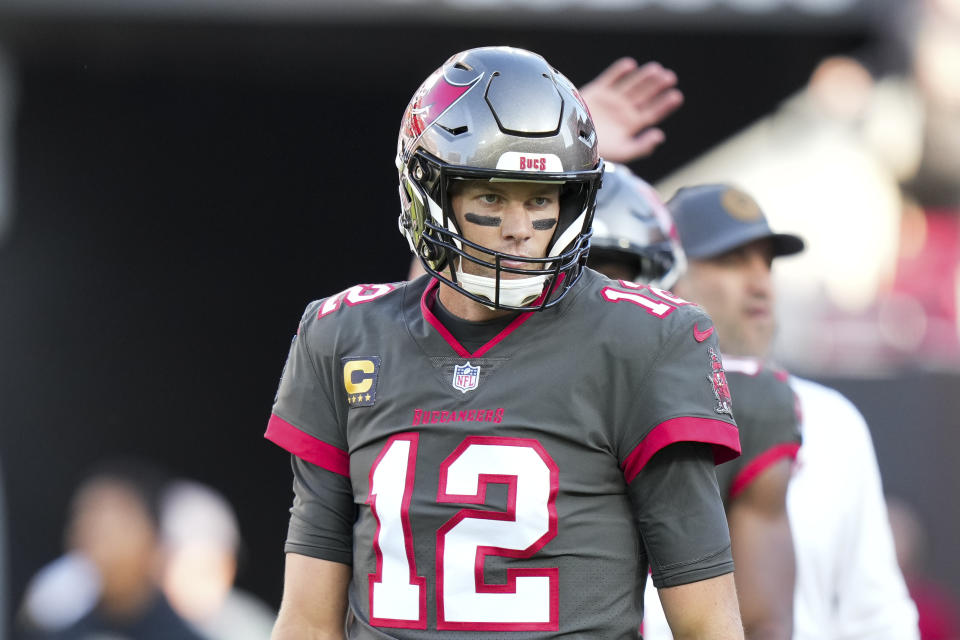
column 759, row 464
column 303, row 445
column 722, row 435
column 453, row 342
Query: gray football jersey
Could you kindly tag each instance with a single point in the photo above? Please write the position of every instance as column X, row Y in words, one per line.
column 767, row 415
column 493, row 486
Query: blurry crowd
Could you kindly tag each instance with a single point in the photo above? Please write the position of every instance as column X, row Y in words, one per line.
column 145, row 557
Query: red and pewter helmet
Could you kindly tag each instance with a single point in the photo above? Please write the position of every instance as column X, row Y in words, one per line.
column 633, row 227
column 497, row 113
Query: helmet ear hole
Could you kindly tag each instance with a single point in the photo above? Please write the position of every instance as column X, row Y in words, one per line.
column 429, row 252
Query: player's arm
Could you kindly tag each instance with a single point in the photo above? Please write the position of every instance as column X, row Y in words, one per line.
column 626, row 103
column 704, row 610
column 763, row 551
column 314, row 602
column 684, row 530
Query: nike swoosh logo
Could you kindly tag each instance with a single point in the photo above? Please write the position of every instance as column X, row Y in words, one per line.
column 700, row 336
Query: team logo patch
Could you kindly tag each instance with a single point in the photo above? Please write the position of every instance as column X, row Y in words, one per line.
column 360, row 376
column 466, row 377
column 721, row 391
column 434, row 97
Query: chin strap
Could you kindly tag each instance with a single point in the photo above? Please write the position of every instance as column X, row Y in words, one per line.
column 516, row 292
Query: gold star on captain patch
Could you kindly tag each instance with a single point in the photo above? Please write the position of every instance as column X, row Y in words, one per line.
column 367, row 397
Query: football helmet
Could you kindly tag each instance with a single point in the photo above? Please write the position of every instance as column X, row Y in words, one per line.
column 498, row 114
column 632, row 226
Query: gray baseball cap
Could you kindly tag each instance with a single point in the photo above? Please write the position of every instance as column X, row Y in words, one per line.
column 715, row 218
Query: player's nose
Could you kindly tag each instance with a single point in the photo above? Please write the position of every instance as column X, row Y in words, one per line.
column 517, row 223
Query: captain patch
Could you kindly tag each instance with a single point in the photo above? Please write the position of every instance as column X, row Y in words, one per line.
column 360, row 375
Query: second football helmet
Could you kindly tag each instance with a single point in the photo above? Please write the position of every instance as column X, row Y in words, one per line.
column 633, row 227
column 498, row 114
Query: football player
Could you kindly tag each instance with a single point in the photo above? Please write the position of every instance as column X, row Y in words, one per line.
column 848, row 583
column 635, row 240
column 493, row 449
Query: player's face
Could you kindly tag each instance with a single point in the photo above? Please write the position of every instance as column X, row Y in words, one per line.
column 518, row 218
column 736, row 289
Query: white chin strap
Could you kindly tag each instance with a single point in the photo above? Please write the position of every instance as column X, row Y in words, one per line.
column 517, row 292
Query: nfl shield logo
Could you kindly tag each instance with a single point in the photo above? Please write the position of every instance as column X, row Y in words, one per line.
column 466, row 377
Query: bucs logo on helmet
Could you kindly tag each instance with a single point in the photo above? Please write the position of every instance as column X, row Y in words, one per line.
column 721, row 391
column 433, row 99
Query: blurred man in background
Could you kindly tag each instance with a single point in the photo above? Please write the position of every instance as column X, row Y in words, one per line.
column 635, row 240
column 201, row 539
column 114, row 527
column 848, row 582
column 198, row 544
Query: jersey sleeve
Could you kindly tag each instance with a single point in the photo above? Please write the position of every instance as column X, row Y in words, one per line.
column 766, row 414
column 304, row 419
column 322, row 515
column 682, row 397
column 680, row 515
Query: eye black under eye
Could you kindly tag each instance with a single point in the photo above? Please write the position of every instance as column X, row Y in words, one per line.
column 483, row 221
column 545, row 224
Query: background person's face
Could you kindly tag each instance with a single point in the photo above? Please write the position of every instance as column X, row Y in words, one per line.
column 736, row 289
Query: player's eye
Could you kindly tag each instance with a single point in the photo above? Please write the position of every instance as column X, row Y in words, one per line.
column 541, row 201
column 489, row 198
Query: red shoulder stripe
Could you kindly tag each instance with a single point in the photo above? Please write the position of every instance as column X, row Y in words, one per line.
column 722, row 435
column 303, row 445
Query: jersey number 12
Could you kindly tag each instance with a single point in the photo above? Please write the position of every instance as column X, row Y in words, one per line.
column 528, row 601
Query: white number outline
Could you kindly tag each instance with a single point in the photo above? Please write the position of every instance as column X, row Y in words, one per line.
column 651, row 306
column 353, row 296
column 376, row 577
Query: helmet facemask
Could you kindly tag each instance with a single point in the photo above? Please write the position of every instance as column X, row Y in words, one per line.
column 437, row 239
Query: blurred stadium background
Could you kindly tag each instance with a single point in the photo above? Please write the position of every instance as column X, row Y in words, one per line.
column 178, row 179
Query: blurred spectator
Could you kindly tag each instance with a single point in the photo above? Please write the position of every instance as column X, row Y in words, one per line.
column 202, row 540
column 114, row 527
column 848, row 584
column 938, row 608
column 194, row 561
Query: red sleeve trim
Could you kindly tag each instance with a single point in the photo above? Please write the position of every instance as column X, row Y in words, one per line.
column 757, row 466
column 303, row 445
column 722, row 435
